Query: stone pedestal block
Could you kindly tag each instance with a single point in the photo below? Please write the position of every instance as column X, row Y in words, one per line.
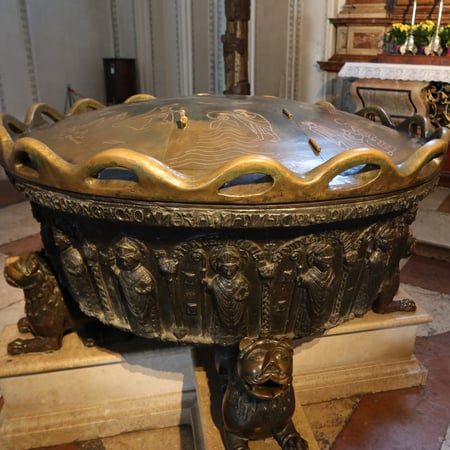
column 370, row 354
column 81, row 393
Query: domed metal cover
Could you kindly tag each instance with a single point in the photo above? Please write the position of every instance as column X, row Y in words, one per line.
column 207, row 149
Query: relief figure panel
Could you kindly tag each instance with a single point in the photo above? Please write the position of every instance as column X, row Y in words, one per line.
column 212, row 288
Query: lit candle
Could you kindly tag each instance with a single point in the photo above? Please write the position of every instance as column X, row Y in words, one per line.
column 413, row 17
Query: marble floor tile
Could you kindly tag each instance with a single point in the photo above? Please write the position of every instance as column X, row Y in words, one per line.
column 427, row 273
column 445, row 205
column 408, row 419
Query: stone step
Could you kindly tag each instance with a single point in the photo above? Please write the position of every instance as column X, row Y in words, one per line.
column 432, row 226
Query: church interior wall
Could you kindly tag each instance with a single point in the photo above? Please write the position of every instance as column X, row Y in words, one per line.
column 49, row 44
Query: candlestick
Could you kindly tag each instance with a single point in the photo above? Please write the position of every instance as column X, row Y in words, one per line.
column 434, row 46
column 409, row 46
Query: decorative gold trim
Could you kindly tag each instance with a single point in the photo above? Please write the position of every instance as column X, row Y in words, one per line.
column 30, row 159
column 227, row 216
column 83, row 105
column 139, row 98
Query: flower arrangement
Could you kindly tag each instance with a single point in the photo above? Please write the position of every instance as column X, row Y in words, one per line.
column 423, row 32
column 444, row 35
column 398, row 33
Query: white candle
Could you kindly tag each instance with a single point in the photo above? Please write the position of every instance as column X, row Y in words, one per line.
column 413, row 17
column 441, row 7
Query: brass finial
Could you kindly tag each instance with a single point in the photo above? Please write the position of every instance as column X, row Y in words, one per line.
column 183, row 120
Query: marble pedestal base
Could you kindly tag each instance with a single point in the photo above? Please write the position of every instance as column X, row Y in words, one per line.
column 370, row 354
column 81, row 393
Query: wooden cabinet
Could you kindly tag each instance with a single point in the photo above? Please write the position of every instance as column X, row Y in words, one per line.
column 120, row 79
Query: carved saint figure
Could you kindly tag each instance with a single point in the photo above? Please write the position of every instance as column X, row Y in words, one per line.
column 75, row 270
column 350, row 299
column 259, row 399
column 136, row 283
column 392, row 243
column 320, row 282
column 229, row 287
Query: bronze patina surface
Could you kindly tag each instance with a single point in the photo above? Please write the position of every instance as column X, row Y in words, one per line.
column 242, row 222
column 207, row 149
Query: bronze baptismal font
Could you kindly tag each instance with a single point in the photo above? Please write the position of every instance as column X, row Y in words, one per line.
column 234, row 223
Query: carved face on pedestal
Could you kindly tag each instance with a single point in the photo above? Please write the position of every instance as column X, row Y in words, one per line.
column 265, row 366
column 22, row 271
